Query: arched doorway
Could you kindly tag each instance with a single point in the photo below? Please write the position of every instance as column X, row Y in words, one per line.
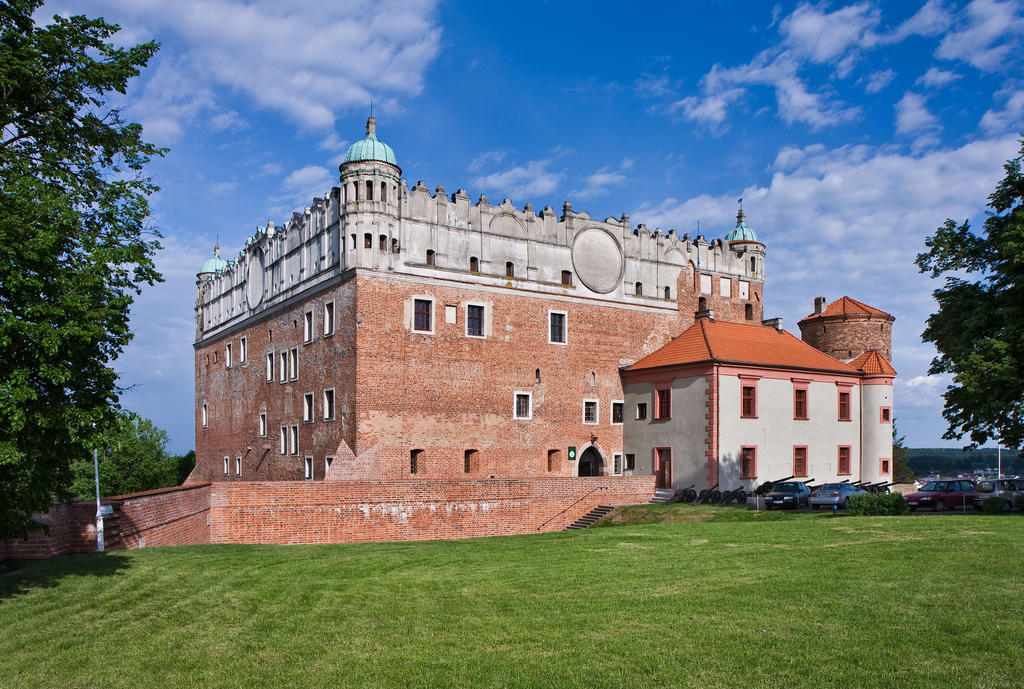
column 591, row 463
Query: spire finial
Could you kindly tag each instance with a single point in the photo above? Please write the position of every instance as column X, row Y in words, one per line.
column 739, row 215
column 216, row 250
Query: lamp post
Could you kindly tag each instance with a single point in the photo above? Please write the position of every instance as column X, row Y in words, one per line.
column 99, row 511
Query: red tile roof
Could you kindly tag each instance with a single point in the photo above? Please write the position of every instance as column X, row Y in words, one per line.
column 847, row 306
column 873, row 361
column 708, row 340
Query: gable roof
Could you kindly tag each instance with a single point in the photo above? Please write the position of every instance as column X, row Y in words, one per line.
column 873, row 361
column 848, row 306
column 712, row 341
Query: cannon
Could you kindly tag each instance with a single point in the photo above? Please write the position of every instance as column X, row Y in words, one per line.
column 683, row 495
column 705, row 495
column 739, row 495
column 876, row 488
column 765, row 487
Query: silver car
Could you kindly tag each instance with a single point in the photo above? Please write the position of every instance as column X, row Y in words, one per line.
column 830, row 494
column 1009, row 489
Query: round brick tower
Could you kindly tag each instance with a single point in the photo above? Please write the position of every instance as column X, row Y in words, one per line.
column 847, row 328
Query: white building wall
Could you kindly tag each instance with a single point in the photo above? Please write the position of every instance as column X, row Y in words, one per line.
column 877, row 435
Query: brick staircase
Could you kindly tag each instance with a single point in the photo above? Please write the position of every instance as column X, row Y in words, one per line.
column 590, row 517
column 662, row 495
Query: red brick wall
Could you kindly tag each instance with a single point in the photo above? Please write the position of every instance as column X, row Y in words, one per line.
column 355, row 511
column 847, row 337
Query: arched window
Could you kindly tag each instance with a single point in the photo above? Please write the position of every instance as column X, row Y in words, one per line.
column 369, row 190
column 638, row 289
column 355, row 189
column 430, row 257
column 367, row 241
column 474, row 264
column 702, row 304
column 472, row 461
column 748, row 312
column 566, row 277
column 537, row 374
column 353, row 241
column 383, row 245
column 383, row 192
column 668, row 292
column 394, row 246
column 753, row 265
column 510, row 269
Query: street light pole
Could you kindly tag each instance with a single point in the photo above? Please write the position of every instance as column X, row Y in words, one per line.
column 99, row 512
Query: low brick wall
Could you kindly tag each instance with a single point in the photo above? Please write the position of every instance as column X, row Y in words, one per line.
column 283, row 512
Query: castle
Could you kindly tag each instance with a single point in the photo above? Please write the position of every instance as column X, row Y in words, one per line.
column 388, row 332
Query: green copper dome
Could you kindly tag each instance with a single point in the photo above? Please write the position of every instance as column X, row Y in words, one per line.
column 742, row 232
column 215, row 263
column 371, row 148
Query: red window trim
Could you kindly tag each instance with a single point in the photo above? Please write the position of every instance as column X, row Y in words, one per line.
column 849, row 460
column 657, row 401
column 752, row 384
column 881, row 415
column 839, row 404
column 801, row 387
column 805, row 473
column 881, row 468
column 754, row 449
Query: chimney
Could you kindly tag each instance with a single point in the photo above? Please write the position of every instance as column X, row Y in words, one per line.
column 704, row 313
column 773, row 323
column 819, row 305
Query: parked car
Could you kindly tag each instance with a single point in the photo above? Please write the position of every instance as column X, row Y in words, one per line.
column 941, row 495
column 831, row 494
column 787, row 495
column 1009, row 489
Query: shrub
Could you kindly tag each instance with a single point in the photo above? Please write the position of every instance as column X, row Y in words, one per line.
column 993, row 505
column 884, row 504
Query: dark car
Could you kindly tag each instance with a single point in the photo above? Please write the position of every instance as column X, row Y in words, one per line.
column 941, row 495
column 787, row 495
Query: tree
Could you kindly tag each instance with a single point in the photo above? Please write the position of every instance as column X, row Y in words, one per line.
column 74, row 247
column 978, row 329
column 132, row 457
column 901, row 471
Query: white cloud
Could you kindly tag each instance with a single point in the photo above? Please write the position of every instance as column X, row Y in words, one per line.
column 823, row 36
column 228, row 119
column 598, row 183
column 270, row 169
column 332, row 142
column 522, row 181
column 912, row 115
column 877, row 81
column 989, row 36
column 492, row 157
column 935, row 78
column 306, row 59
column 223, row 188
column 931, row 20
column 1009, row 118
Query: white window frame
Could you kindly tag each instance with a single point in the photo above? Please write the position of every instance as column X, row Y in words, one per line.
column 307, row 327
column 412, row 314
column 597, row 411
column 529, row 399
column 270, row 367
column 282, row 375
column 238, row 466
column 618, row 463
column 638, row 406
column 611, row 412
column 293, row 440
column 329, row 406
column 227, row 460
column 284, row 440
column 328, row 319
column 307, row 407
column 227, row 355
column 483, row 320
column 328, row 460
column 243, row 349
column 263, row 424
column 205, row 415
column 705, row 284
column 744, row 289
column 565, row 327
column 293, row 363
column 725, row 287
column 307, row 467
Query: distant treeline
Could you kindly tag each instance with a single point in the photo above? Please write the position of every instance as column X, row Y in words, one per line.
column 953, row 460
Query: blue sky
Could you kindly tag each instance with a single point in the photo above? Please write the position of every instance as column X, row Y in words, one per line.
column 851, row 131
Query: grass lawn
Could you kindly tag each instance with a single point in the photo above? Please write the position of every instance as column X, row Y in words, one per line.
column 736, row 600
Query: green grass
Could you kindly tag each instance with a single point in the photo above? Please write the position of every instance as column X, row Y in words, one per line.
column 810, row 601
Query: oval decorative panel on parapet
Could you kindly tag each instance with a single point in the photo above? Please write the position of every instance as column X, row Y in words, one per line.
column 597, row 259
column 254, row 278
column 507, row 225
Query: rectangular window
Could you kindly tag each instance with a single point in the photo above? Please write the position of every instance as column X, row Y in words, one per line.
column 884, row 466
column 617, row 414
column 283, row 364
column 705, row 284
column 800, row 460
column 630, row 462
column 293, row 364
column 227, row 355
column 284, row 440
column 474, row 320
column 243, row 350
column 293, row 441
column 554, row 460
column 307, row 407
column 226, row 466
column 641, row 411
column 328, row 318
column 744, row 290
column 205, row 415
column 663, row 408
column 415, row 463
column 556, row 327
column 238, row 466
column 748, row 461
column 328, row 460
column 725, row 287
column 307, row 463
column 328, row 405
column 748, row 402
column 270, row 367
column 307, row 326
column 885, row 416
column 843, row 463
column 263, row 424
column 422, row 315
column 471, row 461
column 617, row 464
column 844, row 405
column 590, row 411
column 522, row 408
column 800, row 403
